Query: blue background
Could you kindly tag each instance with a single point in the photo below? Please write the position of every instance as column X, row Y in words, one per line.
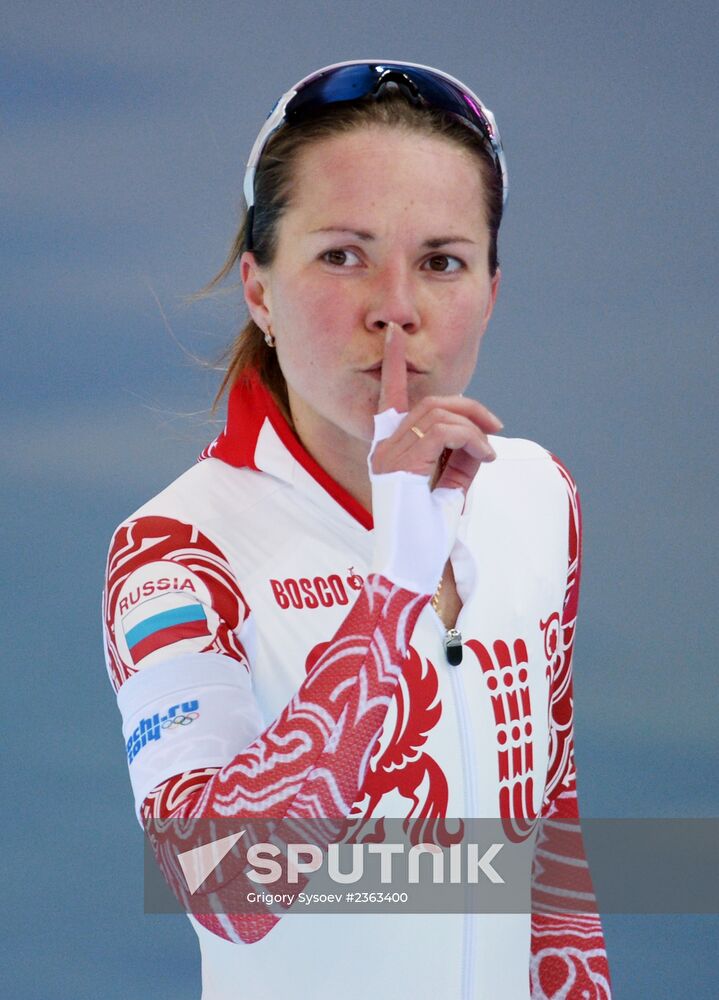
column 125, row 129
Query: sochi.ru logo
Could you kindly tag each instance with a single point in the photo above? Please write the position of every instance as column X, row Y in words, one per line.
column 319, row 590
column 176, row 718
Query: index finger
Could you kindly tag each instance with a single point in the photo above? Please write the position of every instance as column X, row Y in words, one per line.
column 393, row 383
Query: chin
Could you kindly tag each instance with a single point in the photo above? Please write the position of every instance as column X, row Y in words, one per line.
column 363, row 429
column 360, row 424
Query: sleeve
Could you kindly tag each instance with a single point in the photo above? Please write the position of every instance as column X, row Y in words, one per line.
column 170, row 600
column 568, row 954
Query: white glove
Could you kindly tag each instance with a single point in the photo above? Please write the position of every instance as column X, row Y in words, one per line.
column 414, row 527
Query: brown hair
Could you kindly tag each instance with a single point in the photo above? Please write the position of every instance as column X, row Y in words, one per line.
column 273, row 190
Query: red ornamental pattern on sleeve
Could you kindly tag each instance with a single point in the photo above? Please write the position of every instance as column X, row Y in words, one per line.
column 568, row 956
column 400, row 763
column 313, row 759
column 559, row 632
column 168, row 590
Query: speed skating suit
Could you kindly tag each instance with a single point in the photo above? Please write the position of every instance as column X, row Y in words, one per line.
column 242, row 596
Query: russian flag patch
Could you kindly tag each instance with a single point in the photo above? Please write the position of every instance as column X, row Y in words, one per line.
column 163, row 605
column 165, row 627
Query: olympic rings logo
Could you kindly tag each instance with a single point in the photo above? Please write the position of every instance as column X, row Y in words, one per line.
column 180, row 720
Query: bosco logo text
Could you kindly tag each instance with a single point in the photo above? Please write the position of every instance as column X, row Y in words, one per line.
column 306, row 592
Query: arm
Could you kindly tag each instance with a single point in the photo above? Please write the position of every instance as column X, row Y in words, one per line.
column 567, row 944
column 312, row 759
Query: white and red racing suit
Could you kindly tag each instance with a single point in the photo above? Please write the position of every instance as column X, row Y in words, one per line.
column 244, row 591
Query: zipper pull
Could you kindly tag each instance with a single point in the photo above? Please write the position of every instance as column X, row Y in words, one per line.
column 453, row 646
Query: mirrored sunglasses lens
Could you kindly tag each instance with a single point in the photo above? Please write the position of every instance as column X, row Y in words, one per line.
column 351, row 83
column 348, row 83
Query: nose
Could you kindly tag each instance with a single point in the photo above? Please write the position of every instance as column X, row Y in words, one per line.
column 393, row 299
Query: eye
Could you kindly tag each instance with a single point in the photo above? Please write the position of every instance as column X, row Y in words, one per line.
column 443, row 263
column 339, row 258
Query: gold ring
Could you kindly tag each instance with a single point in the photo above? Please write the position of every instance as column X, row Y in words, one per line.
column 418, row 432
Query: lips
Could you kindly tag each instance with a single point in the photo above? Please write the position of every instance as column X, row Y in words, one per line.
column 410, row 368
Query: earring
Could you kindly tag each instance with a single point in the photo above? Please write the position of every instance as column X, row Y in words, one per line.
column 269, row 338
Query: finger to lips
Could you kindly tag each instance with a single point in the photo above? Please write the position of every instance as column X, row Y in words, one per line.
column 455, row 422
column 393, row 383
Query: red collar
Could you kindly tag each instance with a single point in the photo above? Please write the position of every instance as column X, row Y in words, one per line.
column 249, row 406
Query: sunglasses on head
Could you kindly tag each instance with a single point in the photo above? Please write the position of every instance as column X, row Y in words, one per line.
column 352, row 81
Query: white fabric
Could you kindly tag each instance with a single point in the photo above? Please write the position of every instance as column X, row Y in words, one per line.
column 415, row 526
column 212, row 693
column 284, row 533
column 384, row 956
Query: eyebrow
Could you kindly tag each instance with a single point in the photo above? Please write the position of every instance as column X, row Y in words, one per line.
column 360, row 234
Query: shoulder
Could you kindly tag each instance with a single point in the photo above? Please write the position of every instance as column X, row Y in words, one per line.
column 170, row 587
column 190, row 525
column 525, row 450
column 208, row 491
column 518, row 449
column 552, row 488
column 526, row 462
column 530, row 491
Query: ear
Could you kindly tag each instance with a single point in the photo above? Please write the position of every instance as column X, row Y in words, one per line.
column 255, row 285
column 494, row 289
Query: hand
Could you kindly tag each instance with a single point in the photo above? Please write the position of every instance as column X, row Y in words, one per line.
column 415, row 527
column 447, row 422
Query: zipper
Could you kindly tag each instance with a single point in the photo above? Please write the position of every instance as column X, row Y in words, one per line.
column 469, row 927
column 461, row 555
column 453, row 647
column 470, row 919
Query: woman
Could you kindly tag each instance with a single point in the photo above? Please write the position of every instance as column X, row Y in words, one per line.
column 361, row 601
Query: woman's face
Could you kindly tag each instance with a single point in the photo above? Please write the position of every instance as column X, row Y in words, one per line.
column 383, row 226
